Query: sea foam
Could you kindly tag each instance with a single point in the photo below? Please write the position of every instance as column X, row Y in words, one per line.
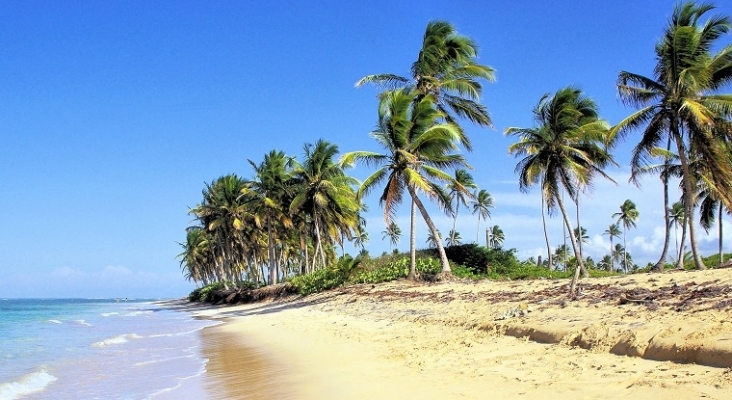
column 119, row 339
column 27, row 384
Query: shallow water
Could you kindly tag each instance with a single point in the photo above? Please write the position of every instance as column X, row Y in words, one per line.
column 96, row 349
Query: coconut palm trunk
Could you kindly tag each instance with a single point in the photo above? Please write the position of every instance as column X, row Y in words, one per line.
column 546, row 235
column 688, row 194
column 583, row 269
column 412, row 243
column 719, row 228
column 666, row 218
column 318, row 246
column 575, row 246
column 680, row 259
column 440, row 249
column 272, row 265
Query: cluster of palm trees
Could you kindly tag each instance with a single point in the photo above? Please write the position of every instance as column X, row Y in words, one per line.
column 288, row 219
column 292, row 215
column 681, row 104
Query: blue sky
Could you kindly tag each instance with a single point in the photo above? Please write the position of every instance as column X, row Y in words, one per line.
column 115, row 113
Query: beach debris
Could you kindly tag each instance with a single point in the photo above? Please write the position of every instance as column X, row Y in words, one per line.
column 519, row 311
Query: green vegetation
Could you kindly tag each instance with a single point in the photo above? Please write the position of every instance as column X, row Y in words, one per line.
column 293, row 218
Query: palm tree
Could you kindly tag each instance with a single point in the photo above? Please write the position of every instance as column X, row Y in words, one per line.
column 612, row 231
column 221, row 214
column 418, row 149
column 195, row 259
column 361, row 238
column 482, row 204
column 627, row 216
column 433, row 239
column 581, row 234
column 453, row 238
column 325, row 193
column 680, row 102
column 393, row 232
column 445, row 69
column 563, row 153
column 618, row 254
column 562, row 253
column 606, row 263
column 677, row 216
column 269, row 194
column 496, row 237
column 458, row 190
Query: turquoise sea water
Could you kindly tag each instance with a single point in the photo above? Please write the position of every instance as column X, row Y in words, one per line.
column 96, row 349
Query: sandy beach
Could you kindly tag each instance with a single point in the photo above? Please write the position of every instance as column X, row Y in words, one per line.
column 649, row 336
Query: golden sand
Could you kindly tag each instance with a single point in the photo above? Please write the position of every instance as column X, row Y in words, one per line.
column 475, row 341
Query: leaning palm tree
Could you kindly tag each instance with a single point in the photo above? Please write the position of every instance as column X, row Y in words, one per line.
column 613, row 231
column 418, row 149
column 459, row 194
column 627, row 216
column 482, row 204
column 681, row 101
column 446, row 69
column 562, row 153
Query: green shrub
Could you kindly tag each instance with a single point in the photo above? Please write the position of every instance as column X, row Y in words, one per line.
column 396, row 268
column 205, row 293
column 317, row 281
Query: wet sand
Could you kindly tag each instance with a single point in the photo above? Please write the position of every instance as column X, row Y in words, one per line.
column 474, row 341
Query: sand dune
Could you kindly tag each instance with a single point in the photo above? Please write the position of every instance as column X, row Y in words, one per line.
column 660, row 336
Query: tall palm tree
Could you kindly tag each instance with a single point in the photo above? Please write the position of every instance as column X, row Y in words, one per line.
column 393, row 232
column 326, row 194
column 418, row 150
column 627, row 216
column 681, row 101
column 496, row 237
column 270, row 194
column 482, row 203
column 221, row 213
column 613, row 231
column 458, row 190
column 446, row 69
column 562, row 153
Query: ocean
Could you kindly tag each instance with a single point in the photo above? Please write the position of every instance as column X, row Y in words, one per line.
column 97, row 349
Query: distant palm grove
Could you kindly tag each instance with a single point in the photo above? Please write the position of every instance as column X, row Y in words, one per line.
column 294, row 217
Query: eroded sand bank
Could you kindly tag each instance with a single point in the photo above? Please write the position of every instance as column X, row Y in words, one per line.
column 475, row 341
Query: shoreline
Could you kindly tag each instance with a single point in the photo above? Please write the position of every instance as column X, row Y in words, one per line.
column 457, row 340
